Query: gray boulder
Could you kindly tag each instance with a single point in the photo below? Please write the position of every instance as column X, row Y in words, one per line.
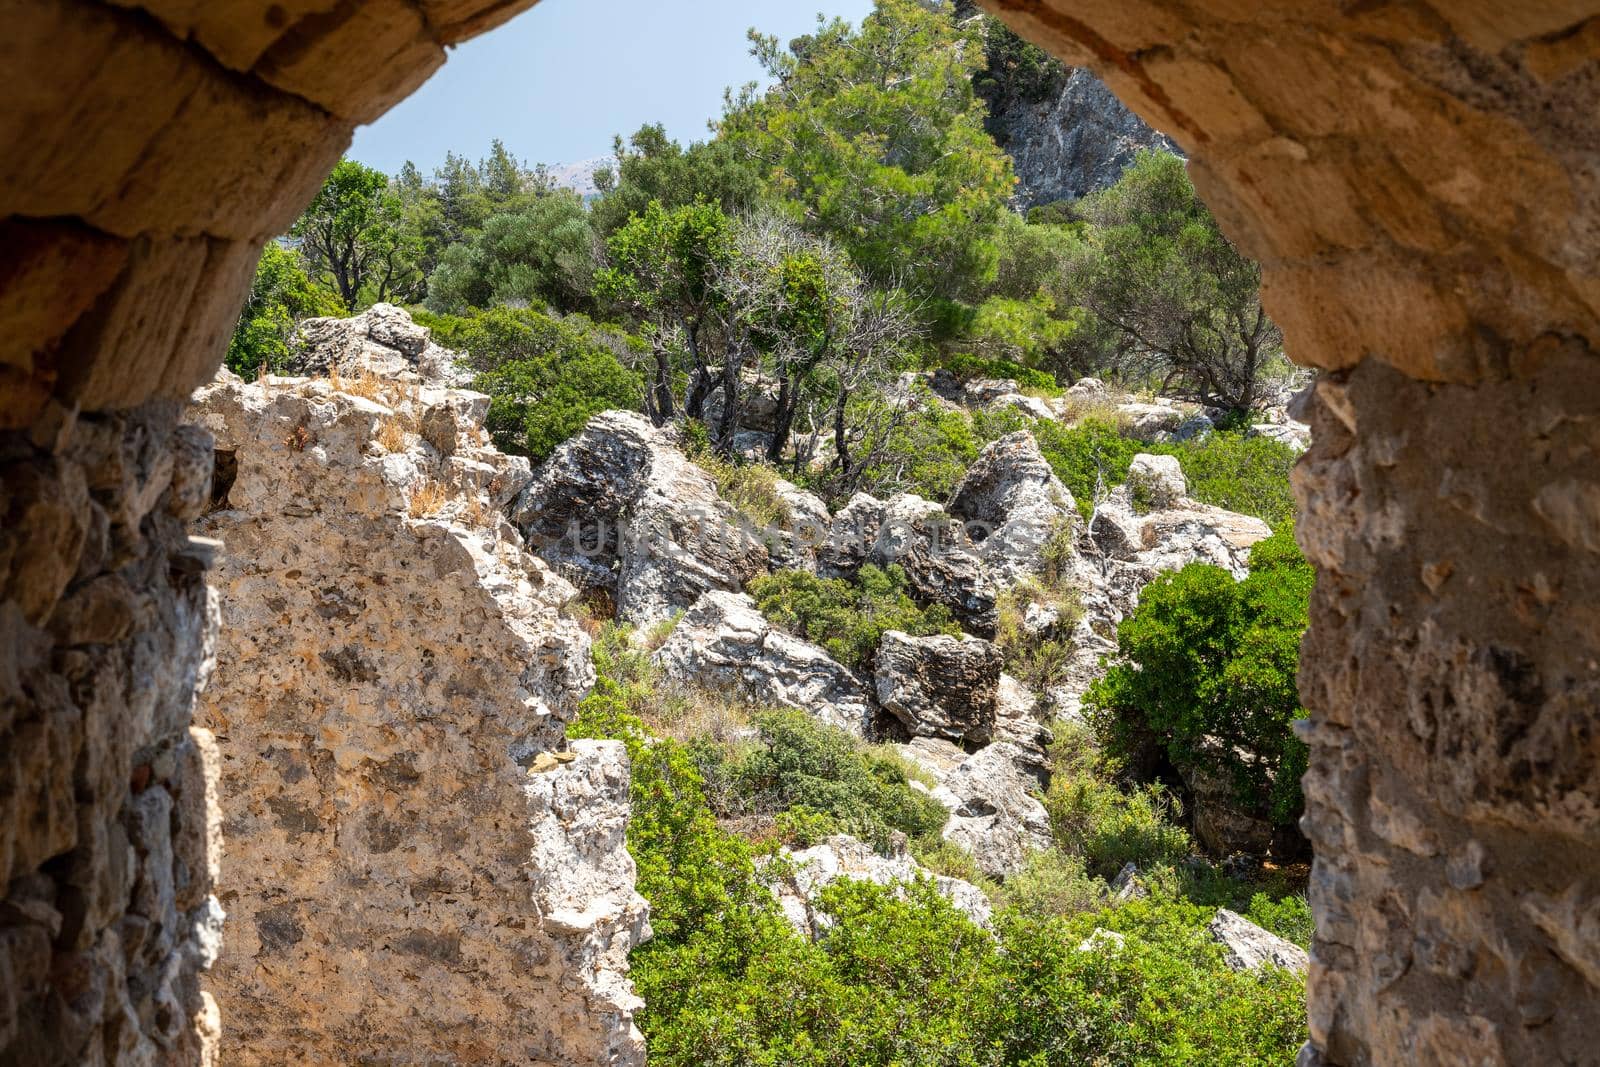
column 724, row 644
column 620, row 509
column 990, row 794
column 939, row 560
column 1247, row 947
column 1012, row 503
column 382, row 340
column 939, row 686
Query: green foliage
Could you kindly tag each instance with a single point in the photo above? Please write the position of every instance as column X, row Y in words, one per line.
column 1015, row 70
column 752, row 488
column 280, row 296
column 351, row 238
column 1289, row 916
column 966, row 367
column 1091, row 817
column 925, row 449
column 542, row 253
column 1170, row 291
column 902, row 977
column 1249, row 475
column 874, row 136
column 1089, row 458
column 1208, row 676
column 832, row 781
column 847, row 619
column 1163, row 997
column 652, row 168
column 546, row 376
column 1052, row 883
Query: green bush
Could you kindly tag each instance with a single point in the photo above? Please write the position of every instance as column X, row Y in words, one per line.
column 821, row 770
column 1091, row 817
column 546, row 375
column 1162, row 997
column 1208, row 676
column 281, row 294
column 1051, row 884
column 847, row 619
column 902, row 977
column 966, row 367
column 1249, row 475
column 1090, row 458
column 1038, row 662
column 927, row 452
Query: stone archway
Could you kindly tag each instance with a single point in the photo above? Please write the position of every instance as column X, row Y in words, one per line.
column 1422, row 185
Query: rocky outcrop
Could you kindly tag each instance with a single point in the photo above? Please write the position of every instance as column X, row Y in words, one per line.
column 620, row 510
column 994, row 812
column 1073, row 141
column 1012, row 504
column 939, row 686
column 798, row 880
column 382, row 342
column 1221, row 822
column 851, row 537
column 724, row 644
column 1144, row 527
column 1247, row 947
column 940, row 561
column 396, row 676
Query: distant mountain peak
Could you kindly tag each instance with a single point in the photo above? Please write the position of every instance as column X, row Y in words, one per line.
column 579, row 176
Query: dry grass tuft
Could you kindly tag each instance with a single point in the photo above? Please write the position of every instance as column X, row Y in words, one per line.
column 476, row 514
column 391, row 435
column 366, row 385
column 427, row 498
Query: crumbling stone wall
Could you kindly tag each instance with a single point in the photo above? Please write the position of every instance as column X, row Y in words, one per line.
column 412, row 874
column 108, row 830
column 1421, row 182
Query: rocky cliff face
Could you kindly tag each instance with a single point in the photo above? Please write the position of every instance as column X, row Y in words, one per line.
column 1067, row 134
column 1073, row 142
column 412, row 851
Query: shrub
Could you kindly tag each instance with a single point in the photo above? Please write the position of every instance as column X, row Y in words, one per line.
column 847, row 619
column 281, row 294
column 1249, row 475
column 966, row 367
column 1052, row 883
column 1090, row 458
column 1162, row 997
column 822, row 770
column 546, row 375
column 1208, row 675
column 926, row 451
column 752, row 488
column 1038, row 662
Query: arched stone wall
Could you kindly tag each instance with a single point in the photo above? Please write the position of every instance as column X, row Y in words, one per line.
column 1420, row 182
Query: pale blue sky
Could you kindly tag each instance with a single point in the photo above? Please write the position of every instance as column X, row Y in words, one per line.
column 556, row 82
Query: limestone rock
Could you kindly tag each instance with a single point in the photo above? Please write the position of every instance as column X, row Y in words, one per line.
column 1221, row 822
column 1074, row 141
column 1013, row 498
column 395, row 665
column 940, row 561
column 851, row 535
column 994, row 813
column 723, row 643
column 1156, row 481
column 1247, row 947
column 805, row 531
column 620, row 509
column 1297, row 435
column 382, row 341
column 843, row 856
column 939, row 686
